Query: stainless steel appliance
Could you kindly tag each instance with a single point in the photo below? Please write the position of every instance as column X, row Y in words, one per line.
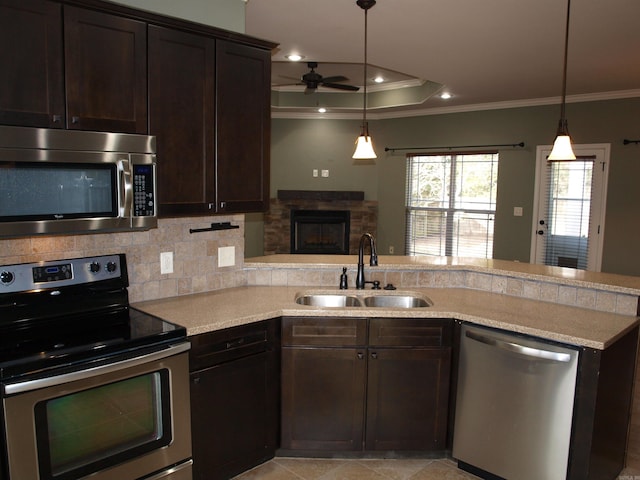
column 91, row 388
column 61, row 181
column 514, row 405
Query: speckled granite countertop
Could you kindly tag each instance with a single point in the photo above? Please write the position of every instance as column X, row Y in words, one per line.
column 221, row 309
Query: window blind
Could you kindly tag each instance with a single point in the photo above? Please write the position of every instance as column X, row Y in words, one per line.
column 450, row 204
column 568, row 211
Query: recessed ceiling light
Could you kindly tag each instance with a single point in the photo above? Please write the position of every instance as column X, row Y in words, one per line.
column 378, row 79
column 445, row 95
column 294, row 57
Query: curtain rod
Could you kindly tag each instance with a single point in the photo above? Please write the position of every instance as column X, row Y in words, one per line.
column 393, row 149
column 627, row 142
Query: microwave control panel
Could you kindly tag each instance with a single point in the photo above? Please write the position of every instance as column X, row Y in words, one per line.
column 143, row 194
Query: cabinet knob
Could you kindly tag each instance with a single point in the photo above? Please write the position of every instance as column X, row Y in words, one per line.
column 75, row 119
column 374, row 355
column 223, row 204
column 57, row 118
column 360, row 355
column 196, row 380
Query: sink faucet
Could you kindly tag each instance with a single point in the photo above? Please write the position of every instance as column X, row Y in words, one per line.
column 373, row 259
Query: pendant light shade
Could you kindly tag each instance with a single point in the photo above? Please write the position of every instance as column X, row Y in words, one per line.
column 562, row 146
column 364, row 146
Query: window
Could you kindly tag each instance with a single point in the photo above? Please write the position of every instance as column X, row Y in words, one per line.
column 451, row 204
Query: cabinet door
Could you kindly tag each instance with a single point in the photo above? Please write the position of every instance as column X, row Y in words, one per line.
column 106, row 72
column 243, row 105
column 234, row 411
column 407, row 398
column 31, row 83
column 181, row 115
column 322, row 398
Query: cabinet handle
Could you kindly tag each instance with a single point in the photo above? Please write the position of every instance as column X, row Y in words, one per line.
column 235, row 343
column 360, row 355
column 223, row 204
column 57, row 118
column 374, row 355
column 196, row 380
column 75, row 119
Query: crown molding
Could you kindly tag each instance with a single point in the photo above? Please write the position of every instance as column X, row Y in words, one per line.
column 419, row 112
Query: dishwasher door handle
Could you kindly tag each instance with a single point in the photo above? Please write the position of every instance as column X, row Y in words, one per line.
column 520, row 349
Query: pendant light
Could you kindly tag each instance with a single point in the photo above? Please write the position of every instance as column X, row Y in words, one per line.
column 364, row 146
column 562, row 146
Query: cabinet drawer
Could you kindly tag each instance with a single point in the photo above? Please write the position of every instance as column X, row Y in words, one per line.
column 410, row 332
column 221, row 346
column 324, row 331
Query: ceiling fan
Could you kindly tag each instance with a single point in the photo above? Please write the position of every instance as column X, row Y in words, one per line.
column 312, row 80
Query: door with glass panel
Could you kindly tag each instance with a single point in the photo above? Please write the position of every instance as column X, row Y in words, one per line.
column 569, row 209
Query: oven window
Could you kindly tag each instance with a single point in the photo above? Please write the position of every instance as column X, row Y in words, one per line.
column 86, row 431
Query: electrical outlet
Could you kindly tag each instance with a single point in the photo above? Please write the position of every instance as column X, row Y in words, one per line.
column 315, row 172
column 325, row 173
column 226, row 256
column 517, row 211
column 166, row 262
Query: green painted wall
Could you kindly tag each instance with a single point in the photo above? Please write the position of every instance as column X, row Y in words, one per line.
column 227, row 14
column 299, row 146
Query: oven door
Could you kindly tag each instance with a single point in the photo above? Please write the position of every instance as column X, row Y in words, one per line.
column 124, row 420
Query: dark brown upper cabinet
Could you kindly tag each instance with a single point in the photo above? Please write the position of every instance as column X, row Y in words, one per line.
column 31, row 56
column 243, row 115
column 220, row 90
column 97, row 81
column 182, row 117
column 106, row 71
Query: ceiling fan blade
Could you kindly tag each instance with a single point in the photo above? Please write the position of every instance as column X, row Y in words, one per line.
column 337, row 78
column 341, row 86
column 295, row 79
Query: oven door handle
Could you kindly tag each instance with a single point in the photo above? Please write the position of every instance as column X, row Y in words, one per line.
column 29, row 385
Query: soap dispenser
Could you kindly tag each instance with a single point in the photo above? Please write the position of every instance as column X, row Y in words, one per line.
column 343, row 279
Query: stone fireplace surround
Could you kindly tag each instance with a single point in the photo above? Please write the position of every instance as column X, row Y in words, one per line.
column 277, row 221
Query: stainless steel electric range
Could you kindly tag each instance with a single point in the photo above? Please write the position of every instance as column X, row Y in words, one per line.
column 90, row 386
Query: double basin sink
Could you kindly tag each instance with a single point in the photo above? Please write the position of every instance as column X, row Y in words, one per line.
column 364, row 299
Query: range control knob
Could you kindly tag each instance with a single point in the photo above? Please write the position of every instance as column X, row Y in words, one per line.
column 94, row 267
column 6, row 277
column 111, row 267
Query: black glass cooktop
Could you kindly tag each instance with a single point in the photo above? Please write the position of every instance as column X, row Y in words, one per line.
column 58, row 315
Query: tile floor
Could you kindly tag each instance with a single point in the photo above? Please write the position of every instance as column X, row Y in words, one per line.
column 284, row 468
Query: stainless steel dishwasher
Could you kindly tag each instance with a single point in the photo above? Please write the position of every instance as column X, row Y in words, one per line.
column 514, row 405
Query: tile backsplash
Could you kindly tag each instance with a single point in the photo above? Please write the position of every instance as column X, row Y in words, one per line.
column 195, row 255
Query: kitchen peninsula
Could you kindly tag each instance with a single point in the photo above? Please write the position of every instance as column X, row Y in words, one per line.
column 592, row 311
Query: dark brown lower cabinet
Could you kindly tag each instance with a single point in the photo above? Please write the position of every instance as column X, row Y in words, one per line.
column 365, row 384
column 408, row 391
column 234, row 399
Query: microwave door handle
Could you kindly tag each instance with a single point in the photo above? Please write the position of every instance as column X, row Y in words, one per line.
column 125, row 194
column 519, row 349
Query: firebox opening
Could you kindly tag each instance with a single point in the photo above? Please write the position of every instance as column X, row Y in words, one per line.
column 320, row 231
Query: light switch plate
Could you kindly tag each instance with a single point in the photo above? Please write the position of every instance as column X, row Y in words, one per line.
column 226, row 256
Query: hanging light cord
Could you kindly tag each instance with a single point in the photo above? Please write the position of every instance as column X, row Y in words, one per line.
column 564, row 74
column 365, row 127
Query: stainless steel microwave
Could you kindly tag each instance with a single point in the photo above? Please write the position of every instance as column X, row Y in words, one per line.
column 69, row 182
